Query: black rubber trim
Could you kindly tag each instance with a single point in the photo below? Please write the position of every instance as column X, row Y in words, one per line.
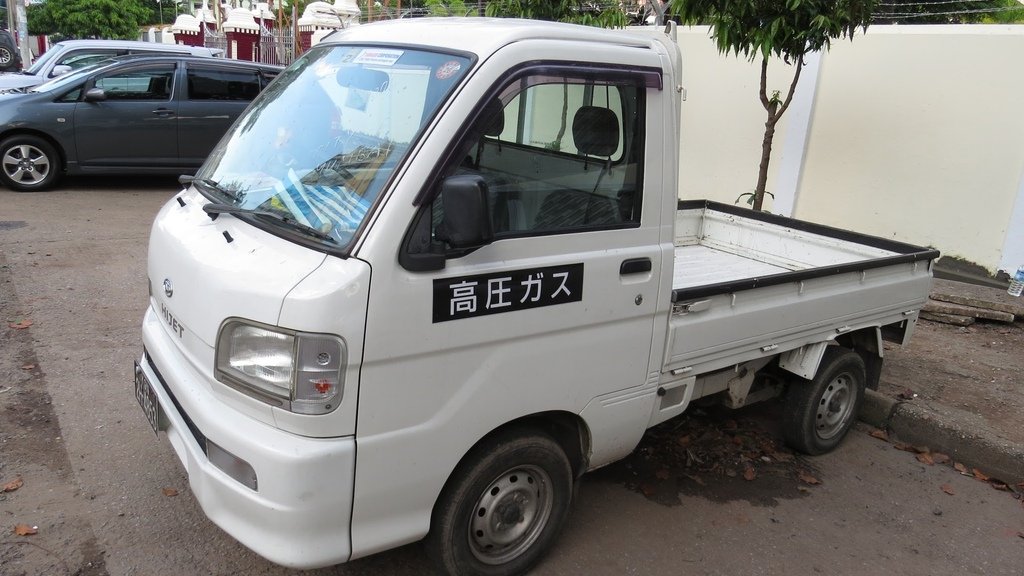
column 196, row 433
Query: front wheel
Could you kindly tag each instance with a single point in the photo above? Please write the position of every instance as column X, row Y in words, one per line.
column 819, row 413
column 502, row 507
column 28, row 163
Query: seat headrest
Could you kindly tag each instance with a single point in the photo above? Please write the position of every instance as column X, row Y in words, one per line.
column 595, row 131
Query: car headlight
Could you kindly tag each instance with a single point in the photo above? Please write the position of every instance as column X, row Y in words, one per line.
column 298, row 371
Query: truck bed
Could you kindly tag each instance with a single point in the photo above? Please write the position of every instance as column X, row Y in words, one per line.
column 749, row 284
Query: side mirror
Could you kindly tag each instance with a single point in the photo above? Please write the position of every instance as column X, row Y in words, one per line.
column 95, row 95
column 60, row 70
column 467, row 213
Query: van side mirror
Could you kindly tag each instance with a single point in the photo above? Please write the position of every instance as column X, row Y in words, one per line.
column 95, row 95
column 60, row 70
column 467, row 214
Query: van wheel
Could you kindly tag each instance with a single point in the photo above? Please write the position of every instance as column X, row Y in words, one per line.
column 819, row 413
column 502, row 508
column 6, row 57
column 28, row 163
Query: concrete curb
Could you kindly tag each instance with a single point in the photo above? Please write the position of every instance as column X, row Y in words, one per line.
column 962, row 435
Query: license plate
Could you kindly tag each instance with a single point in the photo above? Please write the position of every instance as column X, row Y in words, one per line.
column 146, row 396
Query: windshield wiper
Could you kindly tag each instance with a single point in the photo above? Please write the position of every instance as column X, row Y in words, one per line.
column 213, row 209
column 207, row 185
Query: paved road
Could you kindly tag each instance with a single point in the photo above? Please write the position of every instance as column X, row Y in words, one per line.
column 73, row 262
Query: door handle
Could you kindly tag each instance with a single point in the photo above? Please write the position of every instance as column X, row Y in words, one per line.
column 635, row 266
column 163, row 112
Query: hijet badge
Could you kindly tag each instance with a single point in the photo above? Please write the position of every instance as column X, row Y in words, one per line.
column 506, row 291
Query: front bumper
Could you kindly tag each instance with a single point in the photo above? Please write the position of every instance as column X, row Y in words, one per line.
column 299, row 514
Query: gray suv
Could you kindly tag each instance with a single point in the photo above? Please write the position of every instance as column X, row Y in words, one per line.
column 10, row 58
column 63, row 57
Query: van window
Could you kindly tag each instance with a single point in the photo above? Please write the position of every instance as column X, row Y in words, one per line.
column 210, row 84
column 146, row 83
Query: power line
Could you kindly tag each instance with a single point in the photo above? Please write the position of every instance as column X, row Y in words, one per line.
column 899, row 15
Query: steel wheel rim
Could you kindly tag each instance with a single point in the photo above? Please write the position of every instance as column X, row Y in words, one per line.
column 835, row 407
column 26, row 164
column 510, row 514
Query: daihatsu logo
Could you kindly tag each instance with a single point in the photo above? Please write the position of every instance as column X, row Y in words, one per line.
column 168, row 287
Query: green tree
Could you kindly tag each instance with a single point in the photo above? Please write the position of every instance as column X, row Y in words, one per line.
column 605, row 14
column 786, row 29
column 109, row 19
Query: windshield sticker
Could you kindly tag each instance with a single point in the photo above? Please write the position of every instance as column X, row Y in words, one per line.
column 378, row 57
column 447, row 70
column 507, row 291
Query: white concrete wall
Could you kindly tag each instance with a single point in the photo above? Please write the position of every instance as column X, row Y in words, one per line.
column 914, row 133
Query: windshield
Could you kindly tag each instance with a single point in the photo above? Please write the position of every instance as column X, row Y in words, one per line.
column 50, row 54
column 319, row 144
column 68, row 79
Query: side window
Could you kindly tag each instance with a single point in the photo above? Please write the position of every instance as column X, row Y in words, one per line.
column 210, row 84
column 558, row 154
column 149, row 83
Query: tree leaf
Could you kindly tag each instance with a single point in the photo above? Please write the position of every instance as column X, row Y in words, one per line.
column 961, row 468
column 20, row 325
column 749, row 473
column 981, row 475
column 925, row 458
column 880, row 434
column 13, row 485
column 806, row 478
column 169, row 492
column 948, row 489
column 25, row 530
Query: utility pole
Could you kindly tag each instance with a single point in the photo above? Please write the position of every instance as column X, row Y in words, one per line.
column 22, row 22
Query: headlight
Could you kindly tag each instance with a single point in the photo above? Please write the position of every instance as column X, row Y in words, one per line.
column 298, row 371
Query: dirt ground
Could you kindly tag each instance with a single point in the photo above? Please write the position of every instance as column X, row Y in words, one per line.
column 978, row 369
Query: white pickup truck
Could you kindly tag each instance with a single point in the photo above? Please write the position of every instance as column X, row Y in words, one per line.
column 439, row 270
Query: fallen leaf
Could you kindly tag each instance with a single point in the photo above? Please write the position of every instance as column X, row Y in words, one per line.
column 662, row 474
column 960, row 468
column 749, row 474
column 28, row 366
column 13, row 485
column 904, row 447
column 807, row 478
column 804, row 489
column 925, row 459
column 948, row 489
column 880, row 434
column 696, row 479
column 921, row 449
column 940, row 458
column 25, row 530
column 1000, row 486
column 20, row 325
column 170, row 492
column 981, row 475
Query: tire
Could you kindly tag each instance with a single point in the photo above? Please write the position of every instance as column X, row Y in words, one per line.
column 6, row 57
column 502, row 507
column 819, row 413
column 28, row 163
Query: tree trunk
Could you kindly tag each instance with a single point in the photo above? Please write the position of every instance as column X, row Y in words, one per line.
column 775, row 110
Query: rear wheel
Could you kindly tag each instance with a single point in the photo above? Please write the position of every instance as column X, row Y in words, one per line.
column 819, row 413
column 6, row 57
column 28, row 163
column 502, row 507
